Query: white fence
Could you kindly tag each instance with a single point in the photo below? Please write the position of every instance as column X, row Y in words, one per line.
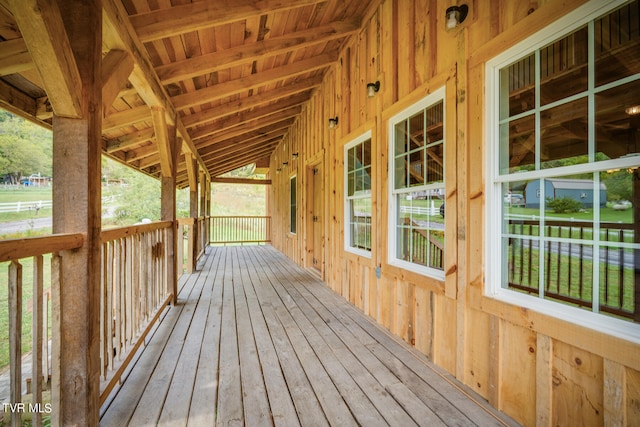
column 431, row 211
column 25, row 206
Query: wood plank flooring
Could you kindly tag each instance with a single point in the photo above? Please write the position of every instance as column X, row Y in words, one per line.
column 257, row 341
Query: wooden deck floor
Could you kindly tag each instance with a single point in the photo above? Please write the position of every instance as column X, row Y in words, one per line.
column 256, row 340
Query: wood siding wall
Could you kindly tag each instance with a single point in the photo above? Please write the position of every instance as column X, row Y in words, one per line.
column 537, row 369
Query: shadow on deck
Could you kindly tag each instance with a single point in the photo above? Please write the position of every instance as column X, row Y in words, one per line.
column 256, row 340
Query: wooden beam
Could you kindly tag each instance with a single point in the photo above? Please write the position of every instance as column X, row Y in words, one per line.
column 252, row 101
column 125, row 118
column 44, row 33
column 226, row 133
column 241, row 181
column 253, row 81
column 121, row 33
column 246, row 54
column 129, row 140
column 164, row 140
column 14, row 57
column 250, row 134
column 117, row 65
column 195, row 16
column 242, row 140
column 192, row 172
column 16, row 101
column 246, row 122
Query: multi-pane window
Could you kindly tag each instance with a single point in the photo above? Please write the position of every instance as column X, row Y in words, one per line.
column 293, row 209
column 417, row 194
column 358, row 211
column 567, row 182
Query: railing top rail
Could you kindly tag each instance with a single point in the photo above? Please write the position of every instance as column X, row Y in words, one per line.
column 119, row 233
column 576, row 223
column 241, row 216
column 186, row 221
column 13, row 249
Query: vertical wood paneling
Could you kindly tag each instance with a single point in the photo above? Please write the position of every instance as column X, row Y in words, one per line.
column 534, row 378
column 517, row 373
column 577, row 380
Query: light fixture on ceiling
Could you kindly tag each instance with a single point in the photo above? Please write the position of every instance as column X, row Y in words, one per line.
column 456, row 15
column 372, row 88
column 333, row 122
column 633, row 110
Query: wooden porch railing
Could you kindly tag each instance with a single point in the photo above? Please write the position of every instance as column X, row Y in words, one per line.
column 135, row 289
column 240, row 229
column 568, row 267
column 18, row 252
column 421, row 247
column 194, row 239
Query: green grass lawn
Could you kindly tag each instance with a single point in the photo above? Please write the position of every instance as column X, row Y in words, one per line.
column 24, row 194
column 607, row 214
column 27, row 294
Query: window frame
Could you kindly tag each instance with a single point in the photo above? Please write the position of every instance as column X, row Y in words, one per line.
column 493, row 288
column 433, row 98
column 348, row 244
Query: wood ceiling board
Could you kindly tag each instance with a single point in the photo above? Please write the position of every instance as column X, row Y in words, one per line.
column 205, row 14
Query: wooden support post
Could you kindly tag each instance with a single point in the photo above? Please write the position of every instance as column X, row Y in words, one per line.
column 193, row 212
column 207, row 212
column 77, row 208
column 168, row 205
column 202, row 178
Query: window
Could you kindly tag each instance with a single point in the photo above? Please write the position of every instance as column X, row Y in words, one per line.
column 417, row 186
column 293, row 211
column 358, row 211
column 565, row 138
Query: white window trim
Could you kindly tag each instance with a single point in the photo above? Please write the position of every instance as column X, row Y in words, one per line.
column 347, row 214
column 432, row 98
column 493, row 223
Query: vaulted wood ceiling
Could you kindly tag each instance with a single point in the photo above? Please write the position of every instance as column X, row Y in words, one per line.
column 232, row 74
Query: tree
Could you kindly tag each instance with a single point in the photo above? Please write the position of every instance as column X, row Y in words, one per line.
column 563, row 205
column 25, row 148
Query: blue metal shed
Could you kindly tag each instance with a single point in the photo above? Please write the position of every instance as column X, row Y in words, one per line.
column 581, row 190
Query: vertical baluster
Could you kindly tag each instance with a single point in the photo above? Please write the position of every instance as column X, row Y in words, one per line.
column 620, row 270
column 15, row 338
column 108, row 298
column 606, row 270
column 36, row 332
column 581, row 257
column 56, row 283
column 530, row 259
column 559, row 261
column 117, row 265
column 548, row 260
column 45, row 335
column 570, row 259
column 103, row 313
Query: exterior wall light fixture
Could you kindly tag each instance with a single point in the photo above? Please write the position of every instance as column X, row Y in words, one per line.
column 456, row 15
column 333, row 122
column 294, row 155
column 372, row 88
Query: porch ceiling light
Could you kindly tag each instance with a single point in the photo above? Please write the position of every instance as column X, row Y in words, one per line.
column 333, row 122
column 633, row 110
column 372, row 88
column 456, row 15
